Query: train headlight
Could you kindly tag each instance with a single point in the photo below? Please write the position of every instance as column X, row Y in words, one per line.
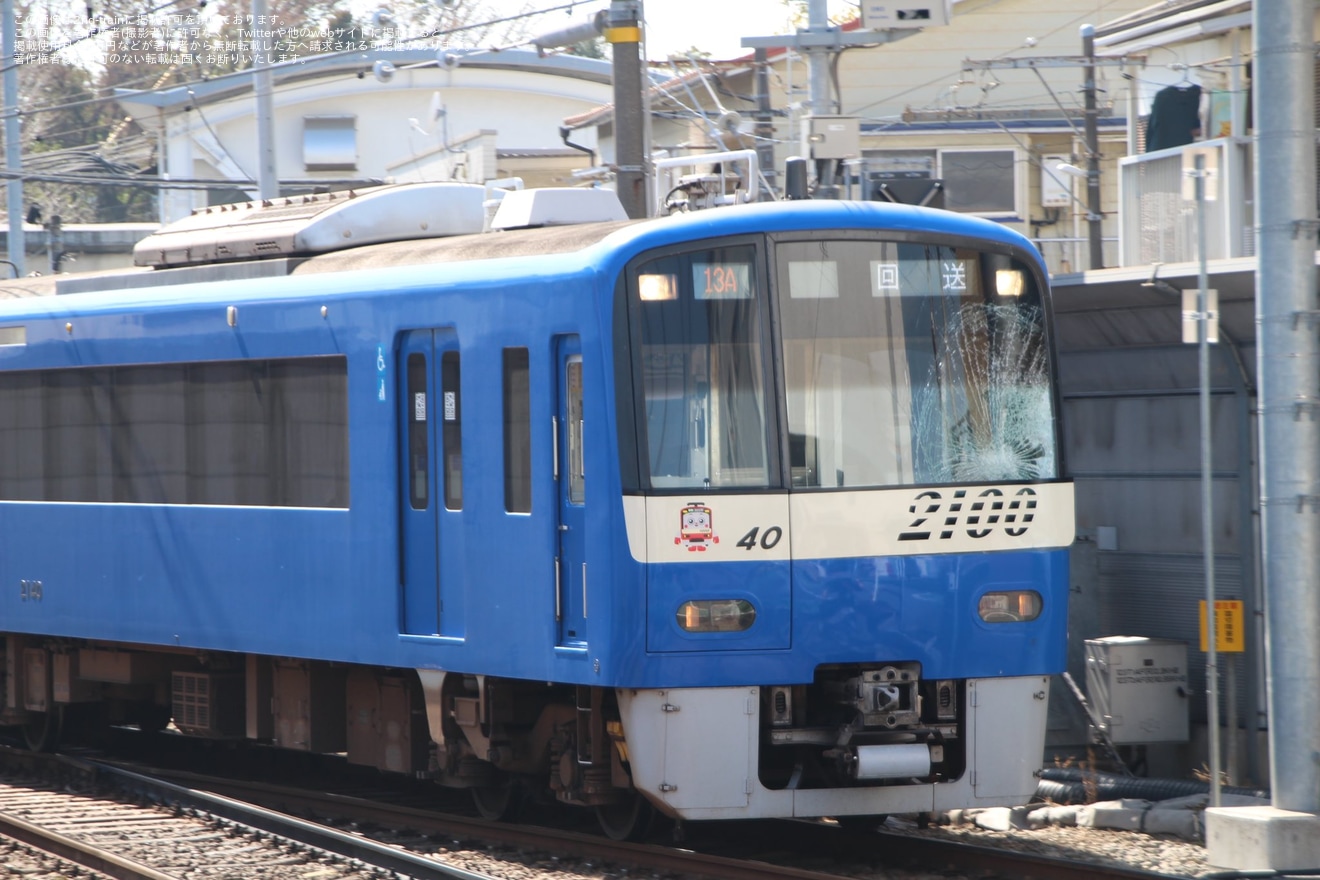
column 1009, row 606
column 716, row 615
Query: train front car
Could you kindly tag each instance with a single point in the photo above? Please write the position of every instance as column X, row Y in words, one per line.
column 841, row 479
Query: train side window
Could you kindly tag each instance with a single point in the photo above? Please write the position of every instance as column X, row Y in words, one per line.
column 419, row 470
column 517, row 432
column 451, row 430
column 257, row 432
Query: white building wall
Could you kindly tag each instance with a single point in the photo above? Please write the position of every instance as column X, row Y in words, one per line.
column 395, row 122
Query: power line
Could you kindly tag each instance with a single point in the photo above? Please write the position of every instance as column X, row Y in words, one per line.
column 182, row 183
column 94, row 32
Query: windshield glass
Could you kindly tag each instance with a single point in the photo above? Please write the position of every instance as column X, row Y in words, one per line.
column 912, row 364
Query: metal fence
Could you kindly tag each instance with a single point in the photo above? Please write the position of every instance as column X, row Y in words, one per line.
column 1157, row 220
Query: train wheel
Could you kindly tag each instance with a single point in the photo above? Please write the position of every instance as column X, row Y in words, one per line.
column 862, row 823
column 629, row 819
column 500, row 802
column 43, row 732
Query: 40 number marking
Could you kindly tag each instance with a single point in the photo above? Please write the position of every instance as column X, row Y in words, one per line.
column 768, row 538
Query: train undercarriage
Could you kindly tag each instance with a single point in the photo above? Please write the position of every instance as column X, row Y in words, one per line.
column 854, row 727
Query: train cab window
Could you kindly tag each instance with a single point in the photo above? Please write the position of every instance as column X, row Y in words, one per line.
column 517, row 432
column 451, row 433
column 703, row 382
column 912, row 363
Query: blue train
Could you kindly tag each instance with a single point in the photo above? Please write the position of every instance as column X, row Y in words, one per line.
column 750, row 512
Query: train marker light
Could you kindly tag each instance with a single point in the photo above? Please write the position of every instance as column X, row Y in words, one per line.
column 657, row 288
column 1009, row 282
column 1009, row 606
column 716, row 615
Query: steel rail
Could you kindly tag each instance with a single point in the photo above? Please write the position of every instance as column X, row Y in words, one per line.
column 79, row 853
column 309, row 833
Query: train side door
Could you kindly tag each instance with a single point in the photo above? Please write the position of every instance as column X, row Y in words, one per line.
column 570, row 468
column 431, row 485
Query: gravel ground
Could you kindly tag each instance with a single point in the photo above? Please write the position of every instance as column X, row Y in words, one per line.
column 1147, row 852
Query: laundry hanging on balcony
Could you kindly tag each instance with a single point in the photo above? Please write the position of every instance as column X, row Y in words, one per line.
column 1175, row 117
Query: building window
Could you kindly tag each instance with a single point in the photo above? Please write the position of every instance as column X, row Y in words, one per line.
column 979, row 181
column 974, row 181
column 330, row 143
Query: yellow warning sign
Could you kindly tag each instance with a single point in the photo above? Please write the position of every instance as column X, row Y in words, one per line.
column 1230, row 634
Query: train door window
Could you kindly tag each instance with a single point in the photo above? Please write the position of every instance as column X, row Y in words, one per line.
column 517, row 432
column 703, row 373
column 452, row 430
column 419, row 470
column 576, row 466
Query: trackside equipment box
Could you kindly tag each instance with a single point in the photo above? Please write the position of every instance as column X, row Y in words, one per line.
column 1138, row 688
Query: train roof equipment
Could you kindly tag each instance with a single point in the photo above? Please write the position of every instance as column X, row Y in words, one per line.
column 313, row 224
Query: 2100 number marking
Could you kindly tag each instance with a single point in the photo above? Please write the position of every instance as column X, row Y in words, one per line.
column 981, row 515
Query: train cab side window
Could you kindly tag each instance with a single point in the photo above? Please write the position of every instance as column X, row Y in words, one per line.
column 517, row 432
column 451, row 416
column 704, row 378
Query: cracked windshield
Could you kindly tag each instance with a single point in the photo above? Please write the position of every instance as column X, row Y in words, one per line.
column 911, row 364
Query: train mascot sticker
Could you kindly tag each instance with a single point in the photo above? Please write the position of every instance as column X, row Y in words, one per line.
column 695, row 528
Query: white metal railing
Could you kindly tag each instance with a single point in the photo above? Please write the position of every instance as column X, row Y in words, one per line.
column 1157, row 224
column 710, row 189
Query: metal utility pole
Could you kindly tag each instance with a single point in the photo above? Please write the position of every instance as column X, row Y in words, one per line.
column 817, row 42
column 765, row 129
column 624, row 34
column 1288, row 364
column 1206, row 313
column 1094, row 215
column 13, row 143
column 818, row 60
column 268, row 181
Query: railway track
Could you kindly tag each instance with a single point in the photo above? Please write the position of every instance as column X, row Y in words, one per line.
column 140, row 828
column 413, row 842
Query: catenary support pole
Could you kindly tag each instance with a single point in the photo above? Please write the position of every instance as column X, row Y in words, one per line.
column 1288, row 363
column 13, row 143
